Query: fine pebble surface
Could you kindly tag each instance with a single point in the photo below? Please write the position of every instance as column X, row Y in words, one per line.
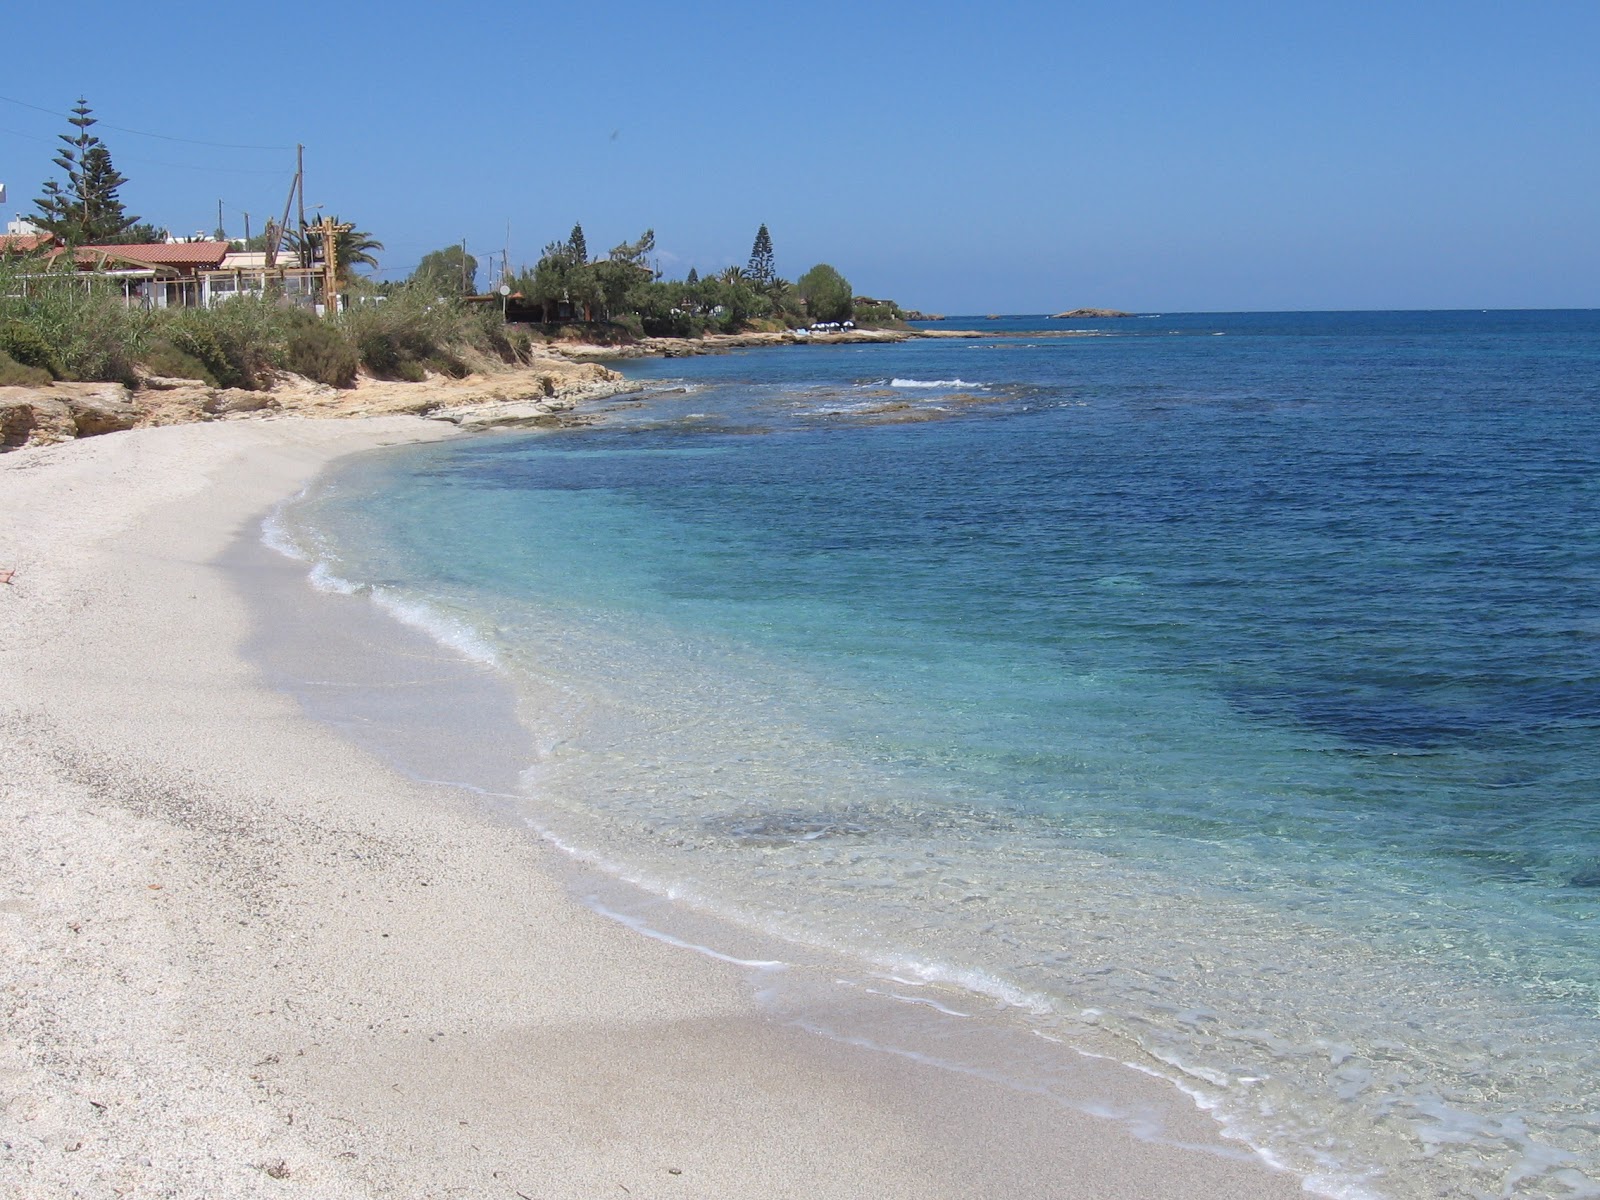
column 1231, row 697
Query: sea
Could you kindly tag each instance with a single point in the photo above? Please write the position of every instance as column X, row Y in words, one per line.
column 1216, row 695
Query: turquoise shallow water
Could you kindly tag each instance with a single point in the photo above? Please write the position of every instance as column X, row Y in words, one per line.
column 1227, row 683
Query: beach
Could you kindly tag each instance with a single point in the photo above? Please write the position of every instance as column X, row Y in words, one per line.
column 243, row 956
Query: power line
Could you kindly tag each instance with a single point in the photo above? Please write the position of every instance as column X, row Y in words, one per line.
column 32, row 137
column 165, row 137
column 156, row 162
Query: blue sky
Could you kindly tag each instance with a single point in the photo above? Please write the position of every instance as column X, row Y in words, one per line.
column 1011, row 157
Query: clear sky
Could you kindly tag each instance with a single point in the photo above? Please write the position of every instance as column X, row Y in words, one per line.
column 1007, row 157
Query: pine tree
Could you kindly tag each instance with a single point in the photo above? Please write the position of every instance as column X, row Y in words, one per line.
column 761, row 267
column 694, row 277
column 576, row 246
column 87, row 209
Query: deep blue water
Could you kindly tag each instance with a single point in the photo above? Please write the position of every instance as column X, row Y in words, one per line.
column 1232, row 677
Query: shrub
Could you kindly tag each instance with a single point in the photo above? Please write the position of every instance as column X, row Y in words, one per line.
column 321, row 352
column 73, row 326
column 878, row 314
column 199, row 343
column 238, row 342
column 16, row 374
column 396, row 337
column 486, row 328
column 630, row 324
column 163, row 358
column 24, row 345
column 448, row 364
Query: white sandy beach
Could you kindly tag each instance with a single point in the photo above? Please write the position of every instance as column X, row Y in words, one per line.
column 241, row 957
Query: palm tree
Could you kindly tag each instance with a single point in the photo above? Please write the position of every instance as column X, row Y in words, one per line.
column 353, row 246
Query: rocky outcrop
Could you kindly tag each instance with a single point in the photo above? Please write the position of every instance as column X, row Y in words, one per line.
column 101, row 408
column 720, row 343
column 1090, row 314
column 530, row 394
column 30, row 415
column 63, row 411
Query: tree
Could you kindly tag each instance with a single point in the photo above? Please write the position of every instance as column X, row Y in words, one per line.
column 141, row 234
column 547, row 285
column 624, row 271
column 448, row 272
column 694, row 277
column 826, row 293
column 86, row 210
column 762, row 268
column 785, row 302
column 564, row 276
column 353, row 246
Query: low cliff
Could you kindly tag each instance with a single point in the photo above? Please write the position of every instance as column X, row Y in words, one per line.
column 63, row 411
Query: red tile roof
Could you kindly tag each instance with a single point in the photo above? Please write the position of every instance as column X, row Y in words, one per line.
column 23, row 243
column 196, row 254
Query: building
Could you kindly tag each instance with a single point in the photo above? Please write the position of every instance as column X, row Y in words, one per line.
column 193, row 274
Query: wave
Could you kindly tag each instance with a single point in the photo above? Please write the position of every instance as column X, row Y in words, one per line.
column 935, row 383
column 447, row 631
column 276, row 537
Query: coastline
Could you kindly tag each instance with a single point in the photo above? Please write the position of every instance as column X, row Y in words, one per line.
column 244, row 957
column 540, row 392
column 537, row 393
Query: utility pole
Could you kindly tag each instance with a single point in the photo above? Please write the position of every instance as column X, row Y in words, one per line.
column 464, row 284
column 220, row 232
column 275, row 235
column 300, row 180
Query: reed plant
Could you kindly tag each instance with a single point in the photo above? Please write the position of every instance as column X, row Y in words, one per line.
column 78, row 326
column 75, row 326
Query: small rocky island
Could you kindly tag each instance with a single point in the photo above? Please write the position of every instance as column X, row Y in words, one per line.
column 1080, row 314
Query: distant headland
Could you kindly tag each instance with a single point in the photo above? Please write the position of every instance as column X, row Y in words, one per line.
column 1089, row 313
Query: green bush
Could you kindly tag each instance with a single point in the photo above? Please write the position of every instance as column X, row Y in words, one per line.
column 486, row 328
column 396, row 337
column 321, row 352
column 26, row 346
column 164, row 358
column 238, row 342
column 199, row 343
column 447, row 364
column 629, row 323
column 878, row 314
column 73, row 326
column 15, row 374
column 82, row 327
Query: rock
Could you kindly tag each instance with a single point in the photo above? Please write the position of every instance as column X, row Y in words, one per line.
column 1587, row 877
column 63, row 411
column 226, row 401
column 33, row 415
column 102, row 408
column 1090, row 314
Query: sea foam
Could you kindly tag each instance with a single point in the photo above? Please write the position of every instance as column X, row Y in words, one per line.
column 935, row 383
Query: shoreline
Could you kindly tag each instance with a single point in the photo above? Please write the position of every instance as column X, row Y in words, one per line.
column 541, row 392
column 245, row 957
